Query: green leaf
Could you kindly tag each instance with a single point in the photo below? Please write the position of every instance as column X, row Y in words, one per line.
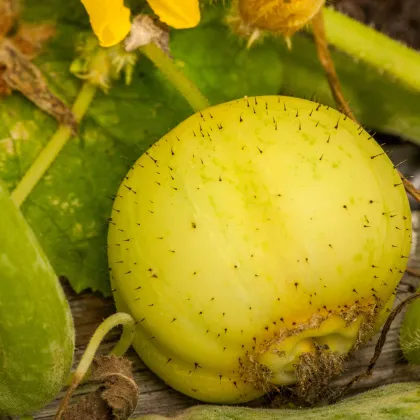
column 381, row 103
column 69, row 208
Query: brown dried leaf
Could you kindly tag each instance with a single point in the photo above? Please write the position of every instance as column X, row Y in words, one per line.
column 4, row 87
column 91, row 406
column 8, row 13
column 30, row 39
column 21, row 75
column 115, row 399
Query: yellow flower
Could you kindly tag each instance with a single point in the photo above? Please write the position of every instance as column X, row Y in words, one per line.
column 180, row 14
column 110, row 19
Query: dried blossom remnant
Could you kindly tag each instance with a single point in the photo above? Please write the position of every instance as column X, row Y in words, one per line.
column 115, row 399
column 21, row 75
column 145, row 31
column 314, row 373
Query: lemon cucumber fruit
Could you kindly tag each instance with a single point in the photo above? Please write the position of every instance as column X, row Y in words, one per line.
column 253, row 233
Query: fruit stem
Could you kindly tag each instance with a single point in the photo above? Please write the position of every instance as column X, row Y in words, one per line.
column 370, row 46
column 327, row 63
column 127, row 336
column 413, row 272
column 120, row 348
column 410, row 188
column 178, row 79
column 53, row 148
column 333, row 21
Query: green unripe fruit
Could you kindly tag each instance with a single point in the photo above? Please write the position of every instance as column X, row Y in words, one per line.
column 410, row 333
column 391, row 402
column 255, row 232
column 36, row 327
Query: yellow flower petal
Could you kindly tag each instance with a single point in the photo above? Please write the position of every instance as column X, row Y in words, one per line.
column 180, row 14
column 110, row 20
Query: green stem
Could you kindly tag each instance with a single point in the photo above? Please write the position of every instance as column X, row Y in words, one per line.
column 53, row 148
column 127, row 336
column 167, row 66
column 120, row 318
column 370, row 46
column 121, row 347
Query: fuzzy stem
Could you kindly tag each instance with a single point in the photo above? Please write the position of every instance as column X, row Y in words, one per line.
column 125, row 340
column 53, row 148
column 334, row 25
column 372, row 47
column 327, row 62
column 119, row 350
column 121, row 347
column 413, row 272
column 167, row 66
column 410, row 188
column 324, row 55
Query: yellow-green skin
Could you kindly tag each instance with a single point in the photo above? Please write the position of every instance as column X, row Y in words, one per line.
column 36, row 327
column 244, row 222
column 410, row 333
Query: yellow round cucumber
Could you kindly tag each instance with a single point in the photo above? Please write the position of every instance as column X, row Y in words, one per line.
column 254, row 233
